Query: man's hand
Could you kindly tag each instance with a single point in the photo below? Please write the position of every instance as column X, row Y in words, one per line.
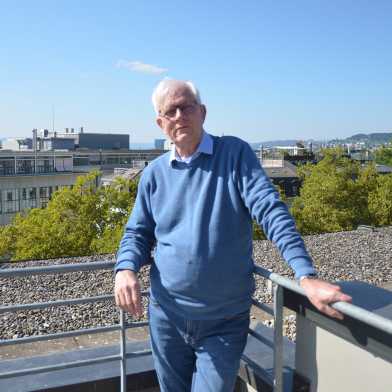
column 321, row 294
column 127, row 292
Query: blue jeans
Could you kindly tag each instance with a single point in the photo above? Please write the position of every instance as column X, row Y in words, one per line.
column 196, row 355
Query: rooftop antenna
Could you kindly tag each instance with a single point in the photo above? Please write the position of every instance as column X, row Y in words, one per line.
column 53, row 118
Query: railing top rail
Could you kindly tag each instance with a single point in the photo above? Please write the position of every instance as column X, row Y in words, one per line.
column 55, row 269
column 348, row 309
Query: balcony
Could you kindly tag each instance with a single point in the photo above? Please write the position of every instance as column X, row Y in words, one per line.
column 329, row 355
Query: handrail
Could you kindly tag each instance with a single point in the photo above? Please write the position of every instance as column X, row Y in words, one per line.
column 55, row 269
column 346, row 308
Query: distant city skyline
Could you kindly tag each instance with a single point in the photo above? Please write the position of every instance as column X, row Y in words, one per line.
column 266, row 71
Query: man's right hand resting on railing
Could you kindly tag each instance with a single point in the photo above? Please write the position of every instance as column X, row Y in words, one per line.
column 322, row 294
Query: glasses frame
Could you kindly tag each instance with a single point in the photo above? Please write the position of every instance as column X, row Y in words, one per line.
column 185, row 109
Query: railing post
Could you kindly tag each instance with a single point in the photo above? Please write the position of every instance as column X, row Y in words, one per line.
column 278, row 338
column 123, row 352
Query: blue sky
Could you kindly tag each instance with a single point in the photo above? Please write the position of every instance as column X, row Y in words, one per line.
column 266, row 69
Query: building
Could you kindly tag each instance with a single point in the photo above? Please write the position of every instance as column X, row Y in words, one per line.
column 159, row 144
column 17, row 144
column 70, row 140
column 283, row 174
column 103, row 141
column 28, row 179
column 168, row 145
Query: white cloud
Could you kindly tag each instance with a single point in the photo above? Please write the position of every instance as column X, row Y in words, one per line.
column 138, row 66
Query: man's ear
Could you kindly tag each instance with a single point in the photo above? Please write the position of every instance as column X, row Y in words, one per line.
column 203, row 112
column 159, row 122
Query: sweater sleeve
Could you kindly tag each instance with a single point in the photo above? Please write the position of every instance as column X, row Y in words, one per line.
column 263, row 202
column 138, row 238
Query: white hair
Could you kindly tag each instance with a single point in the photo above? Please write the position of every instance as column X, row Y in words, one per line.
column 165, row 85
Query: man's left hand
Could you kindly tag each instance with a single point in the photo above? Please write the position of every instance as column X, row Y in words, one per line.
column 321, row 294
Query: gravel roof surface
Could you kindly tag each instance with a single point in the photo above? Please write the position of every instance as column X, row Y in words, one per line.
column 355, row 255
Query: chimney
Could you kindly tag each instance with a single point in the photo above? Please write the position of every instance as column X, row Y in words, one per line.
column 66, row 130
column 72, row 130
column 81, row 129
column 35, row 139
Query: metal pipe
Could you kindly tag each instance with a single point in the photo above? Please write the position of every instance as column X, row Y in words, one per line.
column 123, row 352
column 40, row 305
column 348, row 309
column 136, row 354
column 59, row 366
column 260, row 338
column 64, row 302
column 52, row 336
column 55, row 269
column 278, row 338
column 135, row 324
column 264, row 307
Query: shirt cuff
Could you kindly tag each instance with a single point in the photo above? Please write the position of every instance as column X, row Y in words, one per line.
column 126, row 265
column 302, row 267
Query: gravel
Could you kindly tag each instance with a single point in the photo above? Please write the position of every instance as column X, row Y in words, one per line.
column 355, row 255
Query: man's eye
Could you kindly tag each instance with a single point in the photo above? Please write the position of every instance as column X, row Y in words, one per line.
column 171, row 112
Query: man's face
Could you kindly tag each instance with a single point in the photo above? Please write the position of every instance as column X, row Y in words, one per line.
column 181, row 117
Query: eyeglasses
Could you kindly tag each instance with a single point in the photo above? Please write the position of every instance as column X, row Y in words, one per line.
column 185, row 109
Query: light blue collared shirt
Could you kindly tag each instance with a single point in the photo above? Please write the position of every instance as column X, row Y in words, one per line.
column 205, row 147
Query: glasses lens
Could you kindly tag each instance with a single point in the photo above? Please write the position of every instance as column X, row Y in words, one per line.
column 184, row 109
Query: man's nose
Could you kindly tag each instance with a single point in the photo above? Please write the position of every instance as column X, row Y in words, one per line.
column 179, row 113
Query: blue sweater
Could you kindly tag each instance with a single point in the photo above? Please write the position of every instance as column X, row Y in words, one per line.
column 199, row 215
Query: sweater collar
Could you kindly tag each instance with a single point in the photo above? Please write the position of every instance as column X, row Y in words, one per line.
column 205, row 147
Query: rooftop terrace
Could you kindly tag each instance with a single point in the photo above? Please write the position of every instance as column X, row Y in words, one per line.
column 360, row 256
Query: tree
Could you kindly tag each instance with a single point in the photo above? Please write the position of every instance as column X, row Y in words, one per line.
column 384, row 156
column 118, row 202
column 380, row 201
column 334, row 195
column 80, row 221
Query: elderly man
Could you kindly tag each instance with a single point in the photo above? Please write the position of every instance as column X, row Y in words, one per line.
column 196, row 204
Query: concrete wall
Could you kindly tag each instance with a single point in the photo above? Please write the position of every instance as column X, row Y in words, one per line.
column 334, row 364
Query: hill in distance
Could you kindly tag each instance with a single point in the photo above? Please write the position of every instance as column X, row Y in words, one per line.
column 375, row 138
column 371, row 138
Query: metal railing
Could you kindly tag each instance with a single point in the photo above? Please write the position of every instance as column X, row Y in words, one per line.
column 122, row 326
column 280, row 283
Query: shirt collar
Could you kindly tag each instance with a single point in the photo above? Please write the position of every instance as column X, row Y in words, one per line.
column 205, row 147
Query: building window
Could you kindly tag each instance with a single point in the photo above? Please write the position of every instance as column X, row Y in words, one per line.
column 7, row 166
column 32, row 193
column 43, row 196
column 45, row 166
column 11, row 201
column 81, row 161
column 24, row 166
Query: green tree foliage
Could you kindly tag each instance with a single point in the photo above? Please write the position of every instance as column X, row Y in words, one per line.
column 118, row 202
column 380, row 201
column 384, row 156
column 334, row 195
column 80, row 221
